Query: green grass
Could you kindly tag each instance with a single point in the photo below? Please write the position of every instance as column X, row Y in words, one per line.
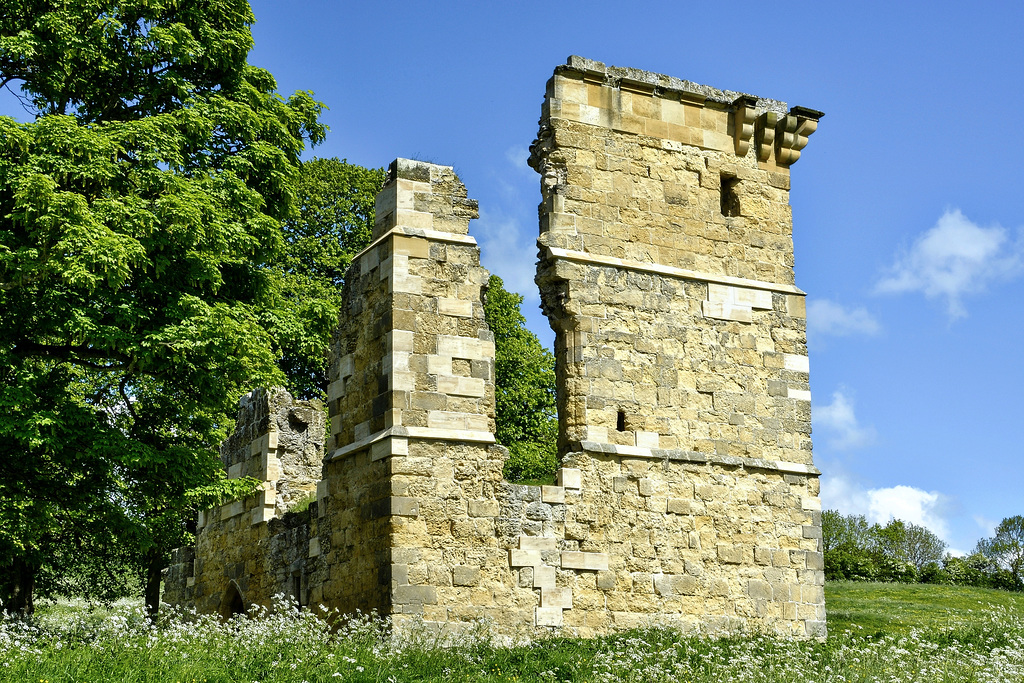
column 878, row 632
column 897, row 608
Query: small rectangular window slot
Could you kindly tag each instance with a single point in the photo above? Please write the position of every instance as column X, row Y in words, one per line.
column 620, row 423
column 730, row 196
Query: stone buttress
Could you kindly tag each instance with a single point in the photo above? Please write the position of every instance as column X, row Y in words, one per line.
column 411, row 445
column 666, row 271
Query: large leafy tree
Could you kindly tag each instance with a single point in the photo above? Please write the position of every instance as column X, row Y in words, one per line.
column 909, row 542
column 524, row 377
column 139, row 238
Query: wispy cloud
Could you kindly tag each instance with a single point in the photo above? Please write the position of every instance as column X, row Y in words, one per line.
column 517, row 155
column 509, row 251
column 988, row 526
column 955, row 258
column 508, row 240
column 839, row 422
column 825, row 317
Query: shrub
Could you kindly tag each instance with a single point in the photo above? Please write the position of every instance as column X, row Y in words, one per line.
column 849, row 563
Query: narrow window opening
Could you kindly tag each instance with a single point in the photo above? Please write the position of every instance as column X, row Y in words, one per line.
column 231, row 603
column 730, row 196
column 620, row 423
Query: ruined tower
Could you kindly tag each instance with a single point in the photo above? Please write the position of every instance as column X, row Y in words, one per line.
column 666, row 271
column 687, row 495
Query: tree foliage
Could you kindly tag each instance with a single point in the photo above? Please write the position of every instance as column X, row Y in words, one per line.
column 845, row 530
column 139, row 231
column 899, row 551
column 333, row 222
column 1006, row 548
column 524, row 389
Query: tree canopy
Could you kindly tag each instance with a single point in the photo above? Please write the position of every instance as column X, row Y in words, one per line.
column 1007, row 547
column 898, row 551
column 139, row 232
column 332, row 223
column 524, row 388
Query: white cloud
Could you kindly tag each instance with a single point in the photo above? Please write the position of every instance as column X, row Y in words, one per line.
column 826, row 317
column 839, row 421
column 988, row 526
column 507, row 238
column 909, row 504
column 508, row 251
column 954, row 258
column 879, row 505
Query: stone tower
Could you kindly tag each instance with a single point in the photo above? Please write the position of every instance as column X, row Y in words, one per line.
column 412, row 410
column 666, row 271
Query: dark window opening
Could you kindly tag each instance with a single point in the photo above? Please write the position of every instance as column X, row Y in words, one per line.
column 730, row 196
column 620, row 424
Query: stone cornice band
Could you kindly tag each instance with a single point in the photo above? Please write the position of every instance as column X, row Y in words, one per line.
column 670, row 271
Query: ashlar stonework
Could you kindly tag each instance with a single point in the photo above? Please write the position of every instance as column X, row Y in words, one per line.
column 687, row 494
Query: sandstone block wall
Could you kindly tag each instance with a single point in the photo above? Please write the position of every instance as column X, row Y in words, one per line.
column 412, row 402
column 251, row 548
column 667, row 274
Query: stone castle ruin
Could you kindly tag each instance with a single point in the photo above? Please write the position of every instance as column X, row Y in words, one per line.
column 687, row 494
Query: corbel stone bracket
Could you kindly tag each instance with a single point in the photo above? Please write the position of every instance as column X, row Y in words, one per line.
column 745, row 114
column 792, row 133
column 764, row 135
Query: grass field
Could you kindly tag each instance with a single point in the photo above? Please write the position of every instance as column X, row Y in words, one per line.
column 897, row 608
column 879, row 633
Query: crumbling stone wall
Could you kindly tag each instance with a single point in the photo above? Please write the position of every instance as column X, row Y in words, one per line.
column 252, row 547
column 667, row 274
column 687, row 493
column 412, row 474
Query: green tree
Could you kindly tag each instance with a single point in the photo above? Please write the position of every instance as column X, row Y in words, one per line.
column 1007, row 547
column 923, row 546
column 333, row 223
column 898, row 551
column 910, row 543
column 845, row 530
column 524, row 377
column 139, row 234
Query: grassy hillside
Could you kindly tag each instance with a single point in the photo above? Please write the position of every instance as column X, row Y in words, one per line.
column 896, row 608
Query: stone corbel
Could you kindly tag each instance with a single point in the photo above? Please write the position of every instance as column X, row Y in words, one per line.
column 792, row 133
column 764, row 135
column 744, row 115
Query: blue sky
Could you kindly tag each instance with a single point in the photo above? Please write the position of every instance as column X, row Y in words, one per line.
column 908, row 201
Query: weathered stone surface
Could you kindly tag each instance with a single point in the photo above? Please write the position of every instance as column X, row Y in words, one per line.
column 666, row 274
column 686, row 491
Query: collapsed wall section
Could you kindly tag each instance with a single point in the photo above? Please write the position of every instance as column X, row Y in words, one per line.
column 249, row 550
column 666, row 272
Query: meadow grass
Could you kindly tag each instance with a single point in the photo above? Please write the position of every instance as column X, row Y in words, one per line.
column 899, row 607
column 879, row 633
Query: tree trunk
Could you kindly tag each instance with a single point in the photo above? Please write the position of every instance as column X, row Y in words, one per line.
column 18, row 586
column 154, row 567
